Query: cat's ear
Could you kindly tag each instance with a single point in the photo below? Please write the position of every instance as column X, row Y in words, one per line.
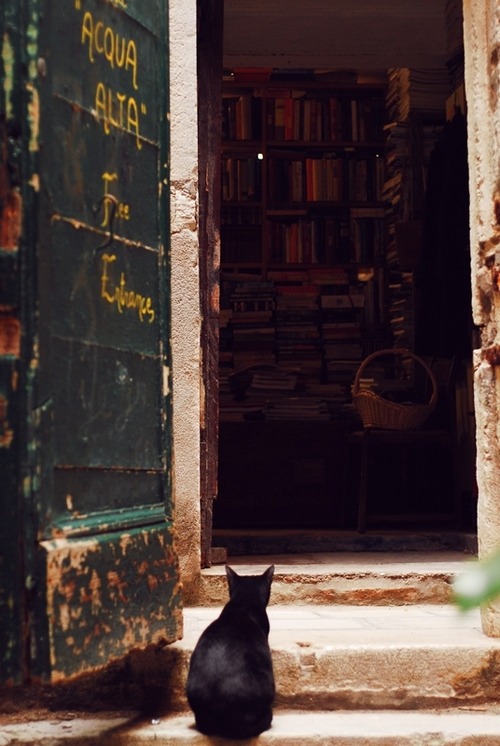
column 269, row 573
column 231, row 576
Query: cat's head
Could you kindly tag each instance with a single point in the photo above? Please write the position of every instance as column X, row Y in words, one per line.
column 255, row 588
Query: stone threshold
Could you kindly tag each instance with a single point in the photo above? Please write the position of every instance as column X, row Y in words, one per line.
column 364, row 578
column 472, row 726
column 239, row 542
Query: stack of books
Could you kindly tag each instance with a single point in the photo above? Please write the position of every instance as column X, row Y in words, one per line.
column 342, row 372
column 342, row 340
column 274, row 379
column 341, row 321
column 337, row 397
column 422, row 90
column 297, row 324
column 298, row 408
column 251, row 324
column 401, row 309
column 415, row 103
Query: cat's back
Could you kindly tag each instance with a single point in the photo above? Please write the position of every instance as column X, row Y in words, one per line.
column 238, row 636
column 230, row 683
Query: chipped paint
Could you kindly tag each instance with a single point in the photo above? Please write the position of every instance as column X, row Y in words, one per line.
column 33, row 117
column 103, row 597
column 11, row 210
column 10, row 337
column 33, row 111
column 166, row 381
column 491, row 355
column 8, row 66
column 34, row 182
column 32, row 44
column 6, row 431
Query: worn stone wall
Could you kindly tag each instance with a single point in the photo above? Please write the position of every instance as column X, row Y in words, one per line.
column 185, row 286
column 482, row 78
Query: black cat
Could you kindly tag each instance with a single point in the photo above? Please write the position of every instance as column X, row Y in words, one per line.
column 230, row 685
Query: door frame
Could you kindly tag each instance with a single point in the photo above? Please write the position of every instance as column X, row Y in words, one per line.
column 210, row 19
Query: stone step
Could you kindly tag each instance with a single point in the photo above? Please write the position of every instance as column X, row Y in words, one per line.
column 365, row 578
column 289, row 728
column 355, row 657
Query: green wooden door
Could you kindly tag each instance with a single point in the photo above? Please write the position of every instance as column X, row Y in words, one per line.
column 101, row 563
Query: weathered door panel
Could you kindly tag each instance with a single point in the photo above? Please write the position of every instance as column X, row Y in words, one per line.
column 104, row 595
column 105, row 565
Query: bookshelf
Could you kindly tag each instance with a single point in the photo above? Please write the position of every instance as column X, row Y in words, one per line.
column 322, row 221
column 303, row 241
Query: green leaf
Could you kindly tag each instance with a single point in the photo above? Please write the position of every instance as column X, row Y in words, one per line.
column 479, row 583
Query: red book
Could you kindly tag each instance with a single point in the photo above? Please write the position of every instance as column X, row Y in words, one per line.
column 289, row 116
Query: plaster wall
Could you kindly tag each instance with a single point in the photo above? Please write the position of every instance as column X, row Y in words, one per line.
column 186, row 321
column 482, row 78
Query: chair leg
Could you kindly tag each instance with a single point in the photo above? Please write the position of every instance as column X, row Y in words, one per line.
column 457, row 490
column 342, row 515
column 363, row 482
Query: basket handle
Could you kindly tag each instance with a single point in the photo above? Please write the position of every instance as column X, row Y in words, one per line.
column 397, row 351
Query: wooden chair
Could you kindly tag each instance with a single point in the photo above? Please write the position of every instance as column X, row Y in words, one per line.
column 437, row 433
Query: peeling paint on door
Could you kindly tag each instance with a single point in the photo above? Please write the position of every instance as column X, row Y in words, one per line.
column 104, row 596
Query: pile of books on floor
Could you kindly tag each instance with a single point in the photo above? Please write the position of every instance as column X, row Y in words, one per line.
column 234, row 409
column 247, row 311
column 337, row 398
column 249, row 391
column 274, row 379
column 342, row 340
column 270, row 386
column 342, row 372
column 297, row 408
column 234, row 403
column 275, row 393
column 297, row 325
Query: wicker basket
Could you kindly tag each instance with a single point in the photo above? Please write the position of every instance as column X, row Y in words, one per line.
column 375, row 411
